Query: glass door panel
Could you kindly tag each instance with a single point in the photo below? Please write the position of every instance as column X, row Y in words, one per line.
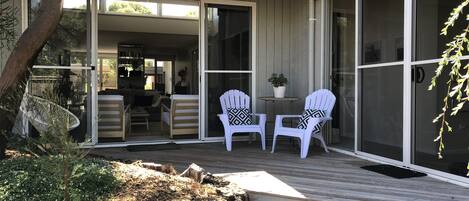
column 381, row 111
column 427, row 105
column 382, row 31
column 64, row 64
column 228, row 30
column 228, row 59
column 343, row 74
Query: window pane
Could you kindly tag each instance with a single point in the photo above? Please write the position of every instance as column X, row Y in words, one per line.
column 75, row 4
column 427, row 105
column 131, row 7
column 180, row 10
column 68, row 44
column 108, row 68
column 431, row 16
column 150, row 82
column 217, row 84
column 383, row 31
column 228, row 35
column 150, row 66
column 381, row 111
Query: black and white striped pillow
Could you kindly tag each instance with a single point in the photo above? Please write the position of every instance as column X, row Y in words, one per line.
column 308, row 114
column 239, row 117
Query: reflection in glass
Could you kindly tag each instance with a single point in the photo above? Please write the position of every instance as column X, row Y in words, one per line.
column 217, row 84
column 73, row 89
column 381, row 111
column 343, row 73
column 67, row 46
column 430, row 18
column 383, row 31
column 130, row 7
column 427, row 105
column 179, row 10
column 228, row 38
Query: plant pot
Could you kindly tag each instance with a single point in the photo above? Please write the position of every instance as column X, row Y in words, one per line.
column 279, row 92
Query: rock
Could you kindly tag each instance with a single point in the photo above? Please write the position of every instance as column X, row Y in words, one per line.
column 233, row 192
column 194, row 172
column 216, row 181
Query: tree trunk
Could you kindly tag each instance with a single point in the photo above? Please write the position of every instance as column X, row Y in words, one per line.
column 20, row 61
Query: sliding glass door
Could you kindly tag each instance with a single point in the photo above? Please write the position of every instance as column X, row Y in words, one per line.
column 381, row 78
column 399, row 46
column 228, row 58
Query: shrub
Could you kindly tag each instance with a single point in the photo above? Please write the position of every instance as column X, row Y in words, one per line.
column 27, row 178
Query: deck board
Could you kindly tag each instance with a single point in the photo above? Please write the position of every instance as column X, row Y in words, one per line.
column 322, row 176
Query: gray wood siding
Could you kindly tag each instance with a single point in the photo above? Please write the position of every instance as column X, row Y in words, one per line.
column 282, row 47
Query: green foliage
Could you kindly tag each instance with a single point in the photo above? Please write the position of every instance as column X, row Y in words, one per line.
column 458, row 76
column 40, row 179
column 129, row 7
column 8, row 24
column 278, row 80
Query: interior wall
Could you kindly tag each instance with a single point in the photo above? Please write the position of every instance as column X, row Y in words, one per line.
column 282, row 47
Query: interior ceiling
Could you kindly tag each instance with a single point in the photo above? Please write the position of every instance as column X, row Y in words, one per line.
column 152, row 32
column 112, row 22
column 108, row 40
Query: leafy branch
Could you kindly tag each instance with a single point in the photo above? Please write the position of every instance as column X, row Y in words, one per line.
column 458, row 76
column 8, row 24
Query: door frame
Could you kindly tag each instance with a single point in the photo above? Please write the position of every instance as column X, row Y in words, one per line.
column 202, row 61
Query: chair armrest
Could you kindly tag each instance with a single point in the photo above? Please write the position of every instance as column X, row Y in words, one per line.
column 289, row 116
column 262, row 118
column 224, row 119
column 165, row 108
column 279, row 119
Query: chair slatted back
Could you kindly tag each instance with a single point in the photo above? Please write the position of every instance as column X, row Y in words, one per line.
column 234, row 99
column 112, row 118
column 322, row 99
column 185, row 112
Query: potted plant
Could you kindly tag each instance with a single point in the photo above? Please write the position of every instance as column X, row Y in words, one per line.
column 278, row 83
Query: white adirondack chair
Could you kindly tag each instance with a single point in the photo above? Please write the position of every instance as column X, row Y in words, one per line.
column 237, row 99
column 322, row 99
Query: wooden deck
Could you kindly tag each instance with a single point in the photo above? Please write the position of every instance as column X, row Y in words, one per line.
column 322, row 176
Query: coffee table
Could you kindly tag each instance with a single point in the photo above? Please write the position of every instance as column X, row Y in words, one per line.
column 139, row 116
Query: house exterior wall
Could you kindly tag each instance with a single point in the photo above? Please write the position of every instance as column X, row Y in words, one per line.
column 282, row 47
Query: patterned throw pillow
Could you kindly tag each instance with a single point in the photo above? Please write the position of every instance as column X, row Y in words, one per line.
column 239, row 116
column 308, row 114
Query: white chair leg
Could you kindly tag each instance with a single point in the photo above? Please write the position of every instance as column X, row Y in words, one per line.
column 323, row 143
column 304, row 147
column 263, row 140
column 228, row 138
column 273, row 143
